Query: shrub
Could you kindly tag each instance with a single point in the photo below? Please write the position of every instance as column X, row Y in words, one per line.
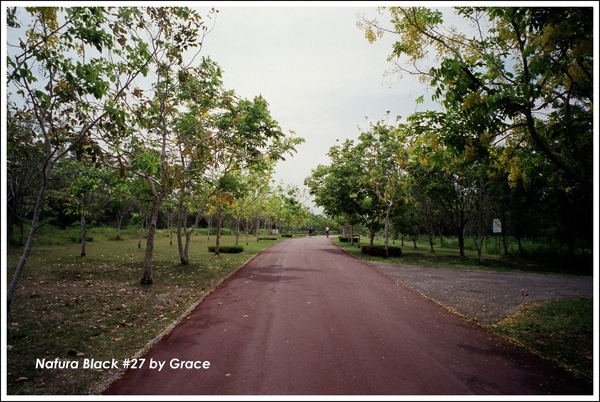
column 226, row 249
column 379, row 251
column 347, row 239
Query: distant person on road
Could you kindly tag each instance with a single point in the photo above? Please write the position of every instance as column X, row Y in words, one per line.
column 327, row 231
column 310, row 231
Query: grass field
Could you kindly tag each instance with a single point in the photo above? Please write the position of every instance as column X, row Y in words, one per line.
column 74, row 308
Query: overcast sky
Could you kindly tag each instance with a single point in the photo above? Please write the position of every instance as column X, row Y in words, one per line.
column 312, row 64
column 322, row 79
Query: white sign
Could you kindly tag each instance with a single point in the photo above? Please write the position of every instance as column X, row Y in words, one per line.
column 496, row 226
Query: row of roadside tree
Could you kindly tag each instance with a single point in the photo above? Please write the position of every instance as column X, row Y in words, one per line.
column 511, row 141
column 117, row 103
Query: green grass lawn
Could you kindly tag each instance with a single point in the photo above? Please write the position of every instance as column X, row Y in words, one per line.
column 448, row 256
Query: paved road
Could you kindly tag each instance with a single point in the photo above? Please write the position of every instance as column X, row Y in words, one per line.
column 305, row 318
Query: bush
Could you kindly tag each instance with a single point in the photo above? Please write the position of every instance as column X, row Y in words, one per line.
column 347, row 239
column 226, row 249
column 379, row 251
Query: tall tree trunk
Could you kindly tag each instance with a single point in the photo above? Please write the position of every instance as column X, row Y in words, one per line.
column 479, row 246
column 461, row 240
column 431, row 237
column 265, row 232
column 180, row 230
column 119, row 224
column 32, row 231
column 141, row 233
column 170, row 231
column 217, row 242
column 209, row 228
column 188, row 235
column 147, row 278
column 21, row 231
column 504, row 240
column 415, row 235
column 181, row 222
column 9, row 230
column 257, row 229
column 186, row 248
column 83, row 234
column 386, row 230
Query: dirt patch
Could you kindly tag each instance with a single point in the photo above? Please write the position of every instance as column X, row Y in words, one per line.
column 486, row 297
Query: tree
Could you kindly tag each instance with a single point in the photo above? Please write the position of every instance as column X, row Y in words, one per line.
column 145, row 146
column 335, row 187
column 25, row 157
column 443, row 167
column 87, row 194
column 217, row 135
column 192, row 200
column 293, row 213
column 525, row 73
column 121, row 200
column 67, row 69
column 249, row 139
column 169, row 213
column 384, row 157
column 202, row 98
column 260, row 192
column 481, row 221
column 142, row 201
column 253, row 186
column 228, row 188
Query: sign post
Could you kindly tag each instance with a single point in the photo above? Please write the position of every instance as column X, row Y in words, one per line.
column 496, row 229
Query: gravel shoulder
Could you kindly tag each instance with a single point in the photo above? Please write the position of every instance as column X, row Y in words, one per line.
column 486, row 297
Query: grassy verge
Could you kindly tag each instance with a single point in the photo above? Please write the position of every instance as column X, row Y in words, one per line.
column 77, row 308
column 448, row 257
column 561, row 330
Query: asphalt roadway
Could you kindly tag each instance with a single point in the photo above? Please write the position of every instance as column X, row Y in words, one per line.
column 305, row 318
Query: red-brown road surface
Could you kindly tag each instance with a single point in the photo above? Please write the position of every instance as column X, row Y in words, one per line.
column 305, row 318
